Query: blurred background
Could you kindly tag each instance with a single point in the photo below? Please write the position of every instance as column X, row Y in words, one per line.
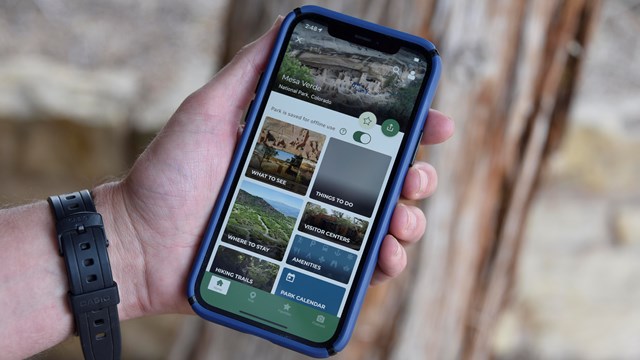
column 533, row 246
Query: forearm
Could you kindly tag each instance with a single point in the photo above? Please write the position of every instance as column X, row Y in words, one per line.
column 33, row 282
column 34, row 311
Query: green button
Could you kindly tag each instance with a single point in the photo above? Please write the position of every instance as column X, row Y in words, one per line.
column 390, row 127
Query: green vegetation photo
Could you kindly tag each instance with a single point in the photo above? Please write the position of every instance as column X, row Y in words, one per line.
column 292, row 67
column 254, row 219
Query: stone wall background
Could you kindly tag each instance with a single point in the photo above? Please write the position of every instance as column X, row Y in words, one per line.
column 114, row 71
column 84, row 85
column 577, row 289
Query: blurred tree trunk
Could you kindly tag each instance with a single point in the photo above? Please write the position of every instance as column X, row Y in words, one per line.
column 510, row 68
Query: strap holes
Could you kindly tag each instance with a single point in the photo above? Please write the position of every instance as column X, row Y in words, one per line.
column 73, row 206
column 91, row 278
column 98, row 322
column 70, row 197
column 85, row 246
column 88, row 262
column 101, row 335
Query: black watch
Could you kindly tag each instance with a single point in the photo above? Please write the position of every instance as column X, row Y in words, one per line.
column 93, row 295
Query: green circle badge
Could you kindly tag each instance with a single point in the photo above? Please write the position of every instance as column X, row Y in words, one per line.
column 390, row 127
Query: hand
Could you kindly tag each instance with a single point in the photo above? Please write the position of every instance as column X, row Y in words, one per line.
column 156, row 216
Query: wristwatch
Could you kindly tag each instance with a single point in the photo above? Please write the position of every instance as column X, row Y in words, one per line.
column 93, row 295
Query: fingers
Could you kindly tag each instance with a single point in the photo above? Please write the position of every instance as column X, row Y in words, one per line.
column 391, row 261
column 239, row 77
column 407, row 226
column 407, row 223
column 438, row 128
column 421, row 181
column 231, row 89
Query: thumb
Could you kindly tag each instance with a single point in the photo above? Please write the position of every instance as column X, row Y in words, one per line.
column 231, row 89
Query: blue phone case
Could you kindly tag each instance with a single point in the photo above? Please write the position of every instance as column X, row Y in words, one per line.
column 350, row 313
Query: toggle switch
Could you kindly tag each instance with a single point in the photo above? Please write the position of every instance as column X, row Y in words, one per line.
column 362, row 137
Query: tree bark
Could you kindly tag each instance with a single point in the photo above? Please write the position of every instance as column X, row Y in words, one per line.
column 510, row 72
column 510, row 68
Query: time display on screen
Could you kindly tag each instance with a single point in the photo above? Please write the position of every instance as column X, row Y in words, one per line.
column 313, row 27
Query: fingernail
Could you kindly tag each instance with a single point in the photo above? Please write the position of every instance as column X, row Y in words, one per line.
column 411, row 218
column 424, row 181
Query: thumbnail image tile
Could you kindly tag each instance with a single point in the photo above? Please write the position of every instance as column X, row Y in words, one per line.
column 333, row 225
column 244, row 268
column 322, row 259
column 262, row 220
column 361, row 176
column 285, row 156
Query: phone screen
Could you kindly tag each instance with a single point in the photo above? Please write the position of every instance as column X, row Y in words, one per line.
column 291, row 238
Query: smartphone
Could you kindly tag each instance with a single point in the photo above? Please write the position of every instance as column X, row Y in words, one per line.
column 334, row 126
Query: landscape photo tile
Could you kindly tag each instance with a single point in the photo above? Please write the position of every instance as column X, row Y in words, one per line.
column 262, row 220
column 285, row 155
column 242, row 267
column 333, row 225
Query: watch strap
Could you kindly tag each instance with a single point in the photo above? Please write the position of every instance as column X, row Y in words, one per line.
column 93, row 295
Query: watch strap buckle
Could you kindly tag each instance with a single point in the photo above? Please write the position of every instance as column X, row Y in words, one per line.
column 78, row 222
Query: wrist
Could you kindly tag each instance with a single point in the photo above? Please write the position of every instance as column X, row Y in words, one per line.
column 125, row 251
column 33, row 283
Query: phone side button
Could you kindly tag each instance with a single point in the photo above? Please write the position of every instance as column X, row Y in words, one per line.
column 246, row 115
column 415, row 152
